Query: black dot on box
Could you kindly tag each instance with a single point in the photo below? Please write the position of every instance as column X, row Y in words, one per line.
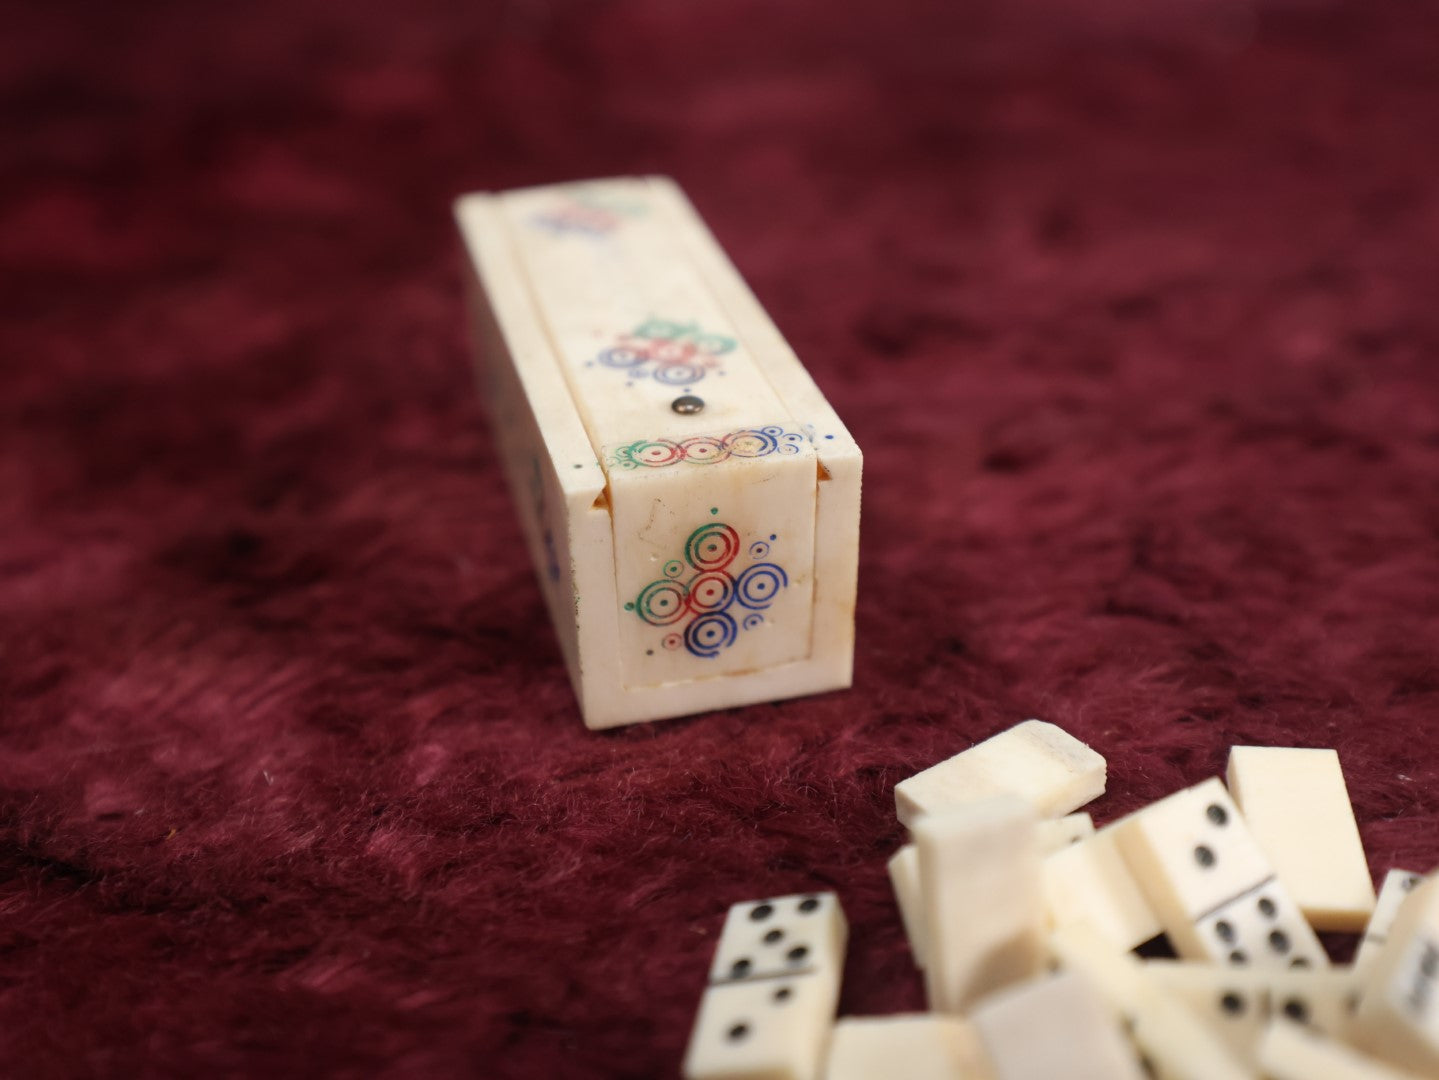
column 1239, row 956
column 738, row 1032
column 784, row 993
column 772, row 936
column 798, row 953
column 1204, row 856
column 808, row 904
column 1296, row 1010
column 740, row 968
column 1217, row 814
column 1225, row 932
column 761, row 912
column 1232, row 1003
column 1279, row 941
column 1266, row 907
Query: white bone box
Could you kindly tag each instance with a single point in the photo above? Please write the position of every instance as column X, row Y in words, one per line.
column 688, row 496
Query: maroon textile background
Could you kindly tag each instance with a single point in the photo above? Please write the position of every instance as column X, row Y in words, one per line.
column 1134, row 316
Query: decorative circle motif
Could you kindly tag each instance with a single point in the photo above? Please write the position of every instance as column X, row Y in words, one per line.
column 661, row 603
column 713, row 344
column 659, row 328
column 752, row 443
column 759, row 585
column 621, row 357
column 779, row 440
column 703, row 450
column 712, row 591
column 665, row 351
column 679, row 374
column 713, row 547
column 657, row 453
column 699, row 612
column 710, row 633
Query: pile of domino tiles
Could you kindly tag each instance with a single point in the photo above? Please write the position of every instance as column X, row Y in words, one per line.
column 1024, row 920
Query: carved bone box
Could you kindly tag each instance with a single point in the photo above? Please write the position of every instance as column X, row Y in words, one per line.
column 689, row 498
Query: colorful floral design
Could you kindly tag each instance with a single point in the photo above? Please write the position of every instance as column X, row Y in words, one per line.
column 706, row 449
column 701, row 597
column 672, row 353
column 585, row 215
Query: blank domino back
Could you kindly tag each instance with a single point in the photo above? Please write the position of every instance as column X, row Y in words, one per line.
column 1297, row 806
column 692, row 557
column 1041, row 763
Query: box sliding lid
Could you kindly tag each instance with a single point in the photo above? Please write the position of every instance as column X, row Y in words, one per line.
column 689, row 498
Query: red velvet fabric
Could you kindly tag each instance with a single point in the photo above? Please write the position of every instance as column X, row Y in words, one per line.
column 1131, row 306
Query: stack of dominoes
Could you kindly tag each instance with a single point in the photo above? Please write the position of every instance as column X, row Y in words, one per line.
column 1024, row 920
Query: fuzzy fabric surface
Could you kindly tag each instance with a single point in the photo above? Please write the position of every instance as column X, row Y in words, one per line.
column 1131, row 306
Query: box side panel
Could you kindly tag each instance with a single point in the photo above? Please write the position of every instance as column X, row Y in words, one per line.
column 548, row 463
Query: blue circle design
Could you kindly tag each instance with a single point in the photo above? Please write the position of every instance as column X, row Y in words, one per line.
column 710, row 633
column 621, row 357
column 757, row 587
column 678, row 374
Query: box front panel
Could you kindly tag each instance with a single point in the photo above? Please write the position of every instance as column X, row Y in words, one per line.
column 713, row 561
